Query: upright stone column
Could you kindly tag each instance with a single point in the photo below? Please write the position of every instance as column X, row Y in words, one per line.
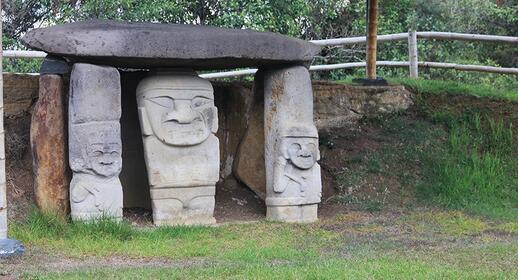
column 178, row 121
column 293, row 183
column 49, row 146
column 95, row 147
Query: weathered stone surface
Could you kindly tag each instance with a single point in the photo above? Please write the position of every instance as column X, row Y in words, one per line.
column 98, row 95
column 49, row 147
column 293, row 182
column 249, row 158
column 145, row 45
column 95, row 146
column 178, row 120
column 233, row 101
column 20, row 93
column 337, row 104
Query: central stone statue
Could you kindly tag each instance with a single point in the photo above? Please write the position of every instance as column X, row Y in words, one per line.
column 178, row 121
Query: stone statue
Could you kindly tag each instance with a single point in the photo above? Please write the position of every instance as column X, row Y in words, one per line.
column 178, row 121
column 95, row 189
column 296, row 172
column 95, row 148
column 293, row 181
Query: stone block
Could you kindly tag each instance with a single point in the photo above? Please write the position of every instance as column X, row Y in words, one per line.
column 48, row 137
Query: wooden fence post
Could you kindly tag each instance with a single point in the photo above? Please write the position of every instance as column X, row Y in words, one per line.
column 372, row 41
column 412, row 53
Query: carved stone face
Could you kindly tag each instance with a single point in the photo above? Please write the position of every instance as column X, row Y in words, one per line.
column 180, row 117
column 105, row 158
column 96, row 148
column 301, row 151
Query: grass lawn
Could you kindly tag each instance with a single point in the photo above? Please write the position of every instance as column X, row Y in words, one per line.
column 430, row 244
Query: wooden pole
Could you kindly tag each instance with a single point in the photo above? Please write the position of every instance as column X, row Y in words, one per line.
column 412, row 53
column 372, row 34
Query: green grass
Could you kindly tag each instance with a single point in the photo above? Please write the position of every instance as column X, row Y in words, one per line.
column 107, row 238
column 398, row 267
column 459, row 88
column 475, row 168
column 422, row 86
column 347, row 247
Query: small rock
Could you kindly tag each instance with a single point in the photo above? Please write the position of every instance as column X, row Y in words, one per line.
column 11, row 248
column 239, row 202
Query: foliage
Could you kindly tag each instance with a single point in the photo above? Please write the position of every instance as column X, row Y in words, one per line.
column 306, row 19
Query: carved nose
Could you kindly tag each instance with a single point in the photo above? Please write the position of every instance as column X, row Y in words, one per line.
column 181, row 112
column 305, row 152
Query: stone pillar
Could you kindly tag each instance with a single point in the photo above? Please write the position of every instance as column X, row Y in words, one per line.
column 8, row 247
column 293, row 183
column 95, row 148
column 49, row 147
column 178, row 120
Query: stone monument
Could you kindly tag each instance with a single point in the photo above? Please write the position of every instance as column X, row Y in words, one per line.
column 178, row 121
column 178, row 117
column 95, row 142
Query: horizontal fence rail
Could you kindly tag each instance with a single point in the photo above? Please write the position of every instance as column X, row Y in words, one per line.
column 420, row 35
column 24, row 54
column 413, row 62
column 425, row 64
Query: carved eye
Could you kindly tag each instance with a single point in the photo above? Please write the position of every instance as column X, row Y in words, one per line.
column 114, row 153
column 199, row 101
column 162, row 101
column 295, row 147
column 97, row 153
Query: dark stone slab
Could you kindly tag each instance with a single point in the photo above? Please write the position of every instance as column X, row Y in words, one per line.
column 54, row 65
column 148, row 45
column 11, row 248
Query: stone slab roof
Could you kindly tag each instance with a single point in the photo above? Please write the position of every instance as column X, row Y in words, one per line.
column 150, row 45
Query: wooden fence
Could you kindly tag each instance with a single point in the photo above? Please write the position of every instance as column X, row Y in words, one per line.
column 413, row 62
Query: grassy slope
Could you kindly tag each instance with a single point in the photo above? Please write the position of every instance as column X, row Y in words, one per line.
column 457, row 149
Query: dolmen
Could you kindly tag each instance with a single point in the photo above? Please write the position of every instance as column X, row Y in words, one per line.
column 178, row 118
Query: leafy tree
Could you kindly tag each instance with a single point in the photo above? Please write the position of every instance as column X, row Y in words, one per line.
column 306, row 19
